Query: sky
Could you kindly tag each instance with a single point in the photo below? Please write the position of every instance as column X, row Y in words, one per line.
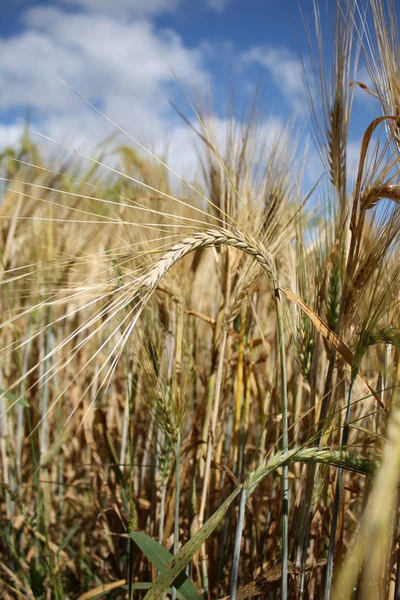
column 132, row 58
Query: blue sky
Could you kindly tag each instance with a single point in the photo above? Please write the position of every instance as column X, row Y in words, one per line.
column 116, row 54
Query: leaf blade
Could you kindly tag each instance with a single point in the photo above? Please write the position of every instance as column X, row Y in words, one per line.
column 176, row 565
column 160, row 557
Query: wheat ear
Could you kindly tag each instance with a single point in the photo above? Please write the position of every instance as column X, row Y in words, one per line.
column 207, row 239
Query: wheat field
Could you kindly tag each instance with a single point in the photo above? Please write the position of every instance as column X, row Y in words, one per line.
column 199, row 383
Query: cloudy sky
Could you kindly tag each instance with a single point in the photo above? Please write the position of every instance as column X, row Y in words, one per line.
column 121, row 55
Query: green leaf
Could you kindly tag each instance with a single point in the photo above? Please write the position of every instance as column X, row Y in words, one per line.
column 160, row 557
column 14, row 399
column 69, row 537
column 176, row 565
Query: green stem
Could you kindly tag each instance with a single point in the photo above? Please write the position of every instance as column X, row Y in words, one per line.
column 238, row 540
column 285, row 444
column 338, row 491
column 177, row 498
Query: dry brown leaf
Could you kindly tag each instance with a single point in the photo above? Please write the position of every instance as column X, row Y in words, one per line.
column 268, row 581
column 365, row 88
column 364, row 148
column 224, row 468
column 323, row 329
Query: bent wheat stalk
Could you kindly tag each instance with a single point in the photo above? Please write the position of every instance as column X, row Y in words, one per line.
column 244, row 242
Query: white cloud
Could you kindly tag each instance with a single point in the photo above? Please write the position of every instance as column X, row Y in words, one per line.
column 118, row 65
column 121, row 67
column 10, row 135
column 111, row 57
column 186, row 148
column 285, row 69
